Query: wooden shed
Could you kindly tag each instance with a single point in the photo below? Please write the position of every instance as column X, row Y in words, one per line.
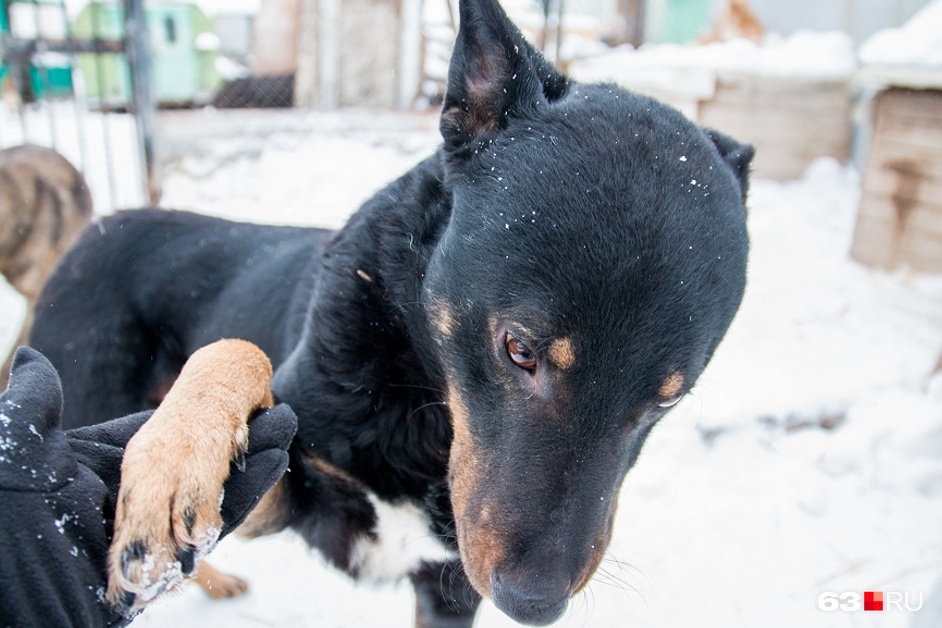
column 899, row 222
column 790, row 120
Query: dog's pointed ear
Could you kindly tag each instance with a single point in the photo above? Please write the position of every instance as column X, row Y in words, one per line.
column 737, row 156
column 494, row 74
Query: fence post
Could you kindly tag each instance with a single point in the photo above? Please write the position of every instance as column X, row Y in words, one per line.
column 410, row 52
column 137, row 47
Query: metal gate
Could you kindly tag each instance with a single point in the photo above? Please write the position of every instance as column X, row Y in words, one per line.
column 44, row 97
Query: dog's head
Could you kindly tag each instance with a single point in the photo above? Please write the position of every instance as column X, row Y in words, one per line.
column 594, row 257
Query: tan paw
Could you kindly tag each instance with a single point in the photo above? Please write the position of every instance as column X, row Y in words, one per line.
column 174, row 468
column 167, row 513
column 217, row 584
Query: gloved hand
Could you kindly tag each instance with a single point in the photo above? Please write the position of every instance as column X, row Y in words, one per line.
column 58, row 492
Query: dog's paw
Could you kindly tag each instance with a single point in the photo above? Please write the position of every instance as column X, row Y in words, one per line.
column 219, row 585
column 167, row 516
column 168, row 512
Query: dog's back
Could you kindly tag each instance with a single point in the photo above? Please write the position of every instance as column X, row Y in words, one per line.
column 143, row 289
column 44, row 206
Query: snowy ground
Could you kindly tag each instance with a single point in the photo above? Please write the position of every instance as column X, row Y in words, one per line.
column 742, row 509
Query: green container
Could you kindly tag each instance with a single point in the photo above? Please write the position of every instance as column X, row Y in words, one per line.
column 676, row 21
column 51, row 81
column 53, row 77
column 181, row 73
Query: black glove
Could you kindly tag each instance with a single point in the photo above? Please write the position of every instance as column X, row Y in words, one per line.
column 58, row 491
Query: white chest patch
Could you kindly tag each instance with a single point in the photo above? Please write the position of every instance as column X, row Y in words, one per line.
column 402, row 543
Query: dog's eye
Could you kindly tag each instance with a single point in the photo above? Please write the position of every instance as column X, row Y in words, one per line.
column 520, row 354
column 669, row 403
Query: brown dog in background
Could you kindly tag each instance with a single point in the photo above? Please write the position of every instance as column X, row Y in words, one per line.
column 44, row 205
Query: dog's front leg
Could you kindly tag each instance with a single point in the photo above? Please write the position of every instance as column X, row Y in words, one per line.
column 168, row 509
column 443, row 596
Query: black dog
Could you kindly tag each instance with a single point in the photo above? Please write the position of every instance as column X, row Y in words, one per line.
column 483, row 348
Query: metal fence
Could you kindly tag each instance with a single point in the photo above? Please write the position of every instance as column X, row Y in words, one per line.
column 86, row 83
column 45, row 97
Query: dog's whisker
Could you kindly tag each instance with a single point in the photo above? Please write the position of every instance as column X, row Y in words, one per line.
column 436, row 537
column 449, row 602
column 417, row 387
column 426, row 405
column 613, row 576
column 588, row 599
column 608, row 578
column 619, row 563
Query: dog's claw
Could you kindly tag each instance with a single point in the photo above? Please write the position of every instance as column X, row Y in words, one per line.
column 143, row 575
column 127, row 600
column 187, row 559
column 159, row 540
column 135, row 551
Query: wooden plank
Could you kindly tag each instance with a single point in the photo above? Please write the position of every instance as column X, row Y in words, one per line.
column 880, row 211
column 877, row 235
column 806, row 103
column 924, row 223
column 889, row 215
column 797, row 141
column 910, row 103
column 886, row 152
column 906, row 116
column 921, row 133
column 776, row 123
column 784, row 93
column 774, row 162
column 369, row 47
column 900, row 216
column 790, row 122
column 796, row 148
column 923, row 255
column 810, row 103
column 880, row 239
column 885, row 181
column 875, row 243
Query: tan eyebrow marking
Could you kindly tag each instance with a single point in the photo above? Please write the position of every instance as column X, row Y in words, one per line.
column 671, row 385
column 561, row 353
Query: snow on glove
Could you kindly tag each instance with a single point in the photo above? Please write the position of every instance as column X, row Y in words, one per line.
column 58, row 491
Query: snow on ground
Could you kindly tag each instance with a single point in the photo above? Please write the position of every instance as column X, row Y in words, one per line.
column 311, row 169
column 742, row 509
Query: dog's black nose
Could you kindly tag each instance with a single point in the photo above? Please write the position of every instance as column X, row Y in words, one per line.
column 534, row 600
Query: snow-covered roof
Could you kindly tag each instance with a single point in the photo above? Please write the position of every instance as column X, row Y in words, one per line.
column 692, row 70
column 909, row 56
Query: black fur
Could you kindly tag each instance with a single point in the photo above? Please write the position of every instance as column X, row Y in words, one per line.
column 554, row 211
